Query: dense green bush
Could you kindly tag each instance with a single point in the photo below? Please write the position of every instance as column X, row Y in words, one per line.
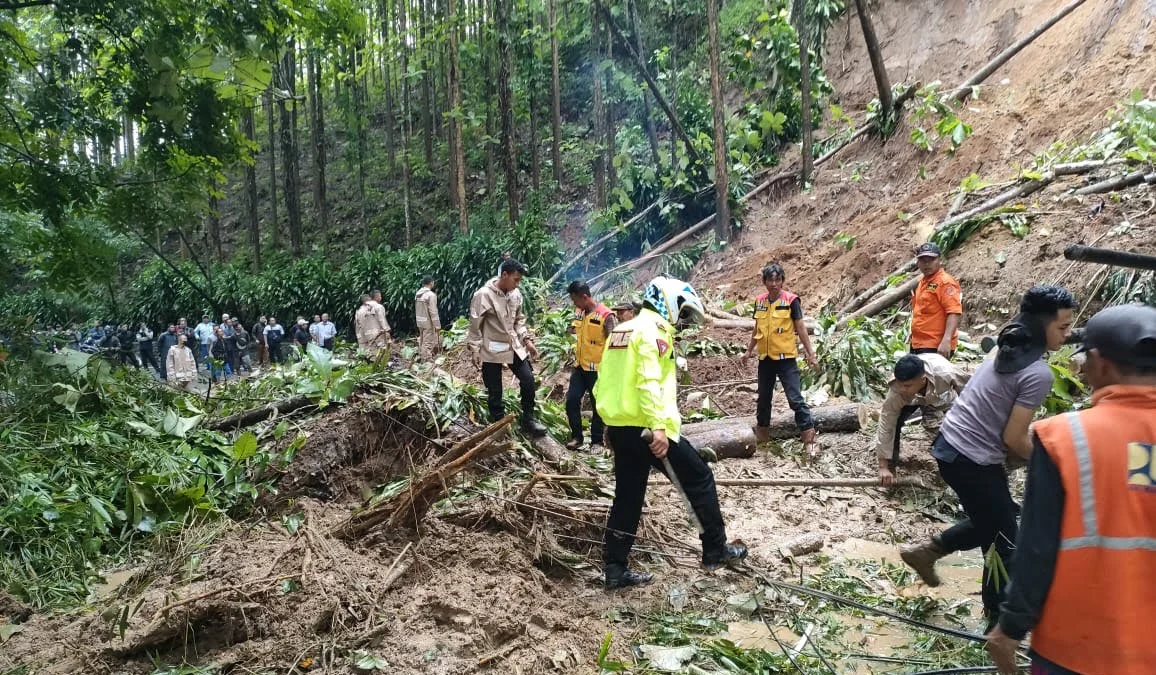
column 314, row 284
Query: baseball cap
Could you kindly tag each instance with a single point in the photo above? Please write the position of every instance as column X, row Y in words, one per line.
column 625, row 305
column 1124, row 334
column 927, row 250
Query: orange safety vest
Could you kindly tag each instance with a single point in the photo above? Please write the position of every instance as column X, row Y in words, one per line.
column 588, row 327
column 775, row 335
column 1097, row 618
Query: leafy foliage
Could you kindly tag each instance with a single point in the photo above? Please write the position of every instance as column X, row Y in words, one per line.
column 930, row 107
column 857, row 359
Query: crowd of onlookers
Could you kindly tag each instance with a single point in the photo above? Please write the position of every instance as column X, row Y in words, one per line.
column 223, row 349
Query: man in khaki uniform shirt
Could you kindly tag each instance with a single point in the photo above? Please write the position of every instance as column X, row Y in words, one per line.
column 428, row 322
column 498, row 336
column 372, row 329
column 922, row 381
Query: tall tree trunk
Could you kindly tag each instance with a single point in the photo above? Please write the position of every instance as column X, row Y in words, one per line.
column 555, row 96
column 721, row 178
column 647, row 119
column 488, row 67
column 457, row 148
column 403, row 32
column 427, row 96
column 882, row 83
column 599, row 111
column 251, row 205
column 387, row 77
column 292, row 178
column 129, row 139
column 275, row 224
column 317, row 133
column 608, row 104
column 359, row 94
column 214, row 226
column 506, row 106
column 405, row 174
column 535, row 161
column 808, row 161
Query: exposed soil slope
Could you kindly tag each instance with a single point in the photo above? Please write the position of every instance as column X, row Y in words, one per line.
column 1058, row 89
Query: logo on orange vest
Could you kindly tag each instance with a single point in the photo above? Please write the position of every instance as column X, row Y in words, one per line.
column 932, row 286
column 950, row 291
column 663, row 346
column 619, row 339
column 1141, row 468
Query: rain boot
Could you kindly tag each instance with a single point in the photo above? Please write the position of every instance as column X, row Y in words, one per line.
column 727, row 554
column 922, row 557
column 620, row 576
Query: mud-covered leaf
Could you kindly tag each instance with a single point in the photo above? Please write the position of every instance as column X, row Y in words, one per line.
column 8, row 630
column 368, row 662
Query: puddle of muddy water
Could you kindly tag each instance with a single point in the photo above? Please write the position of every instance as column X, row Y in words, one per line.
column 959, row 572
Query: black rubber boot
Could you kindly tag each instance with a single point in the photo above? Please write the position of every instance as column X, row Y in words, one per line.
column 534, row 428
column 620, row 576
column 728, row 554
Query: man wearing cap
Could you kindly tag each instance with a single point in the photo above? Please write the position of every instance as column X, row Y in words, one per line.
column 936, row 307
column 626, row 310
column 591, row 326
column 990, row 419
column 1086, row 551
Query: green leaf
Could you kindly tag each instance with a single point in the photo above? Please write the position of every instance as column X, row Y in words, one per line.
column 245, row 446
column 8, row 630
column 143, row 429
column 175, row 425
column 68, row 398
column 363, row 660
column 281, row 429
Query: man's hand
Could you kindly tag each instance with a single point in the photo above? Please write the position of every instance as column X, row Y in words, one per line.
column 746, row 357
column 944, row 348
column 886, row 475
column 659, row 444
column 531, row 349
column 1003, row 651
column 812, row 361
column 476, row 358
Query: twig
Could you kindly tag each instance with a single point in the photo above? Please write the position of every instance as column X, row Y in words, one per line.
column 389, row 576
column 224, row 589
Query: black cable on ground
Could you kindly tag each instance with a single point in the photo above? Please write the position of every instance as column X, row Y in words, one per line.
column 974, row 637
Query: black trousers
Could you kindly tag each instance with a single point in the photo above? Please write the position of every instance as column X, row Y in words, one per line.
column 582, row 383
column 787, row 372
column 632, row 463
column 929, row 350
column 275, row 352
column 991, row 519
column 492, row 378
column 148, row 358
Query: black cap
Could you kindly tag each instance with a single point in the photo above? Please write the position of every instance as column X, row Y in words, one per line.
column 1124, row 334
column 927, row 250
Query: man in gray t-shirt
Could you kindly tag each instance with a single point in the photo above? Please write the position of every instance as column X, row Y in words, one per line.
column 974, row 426
column 991, row 417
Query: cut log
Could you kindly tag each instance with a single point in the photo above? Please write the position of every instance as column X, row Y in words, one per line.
column 1074, row 168
column 1106, row 256
column 875, row 288
column 1018, row 192
column 722, row 314
column 1003, row 57
column 744, row 324
column 888, row 299
column 1117, row 183
column 802, row 545
column 255, row 415
column 735, row 436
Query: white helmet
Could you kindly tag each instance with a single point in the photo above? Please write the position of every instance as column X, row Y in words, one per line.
column 673, row 300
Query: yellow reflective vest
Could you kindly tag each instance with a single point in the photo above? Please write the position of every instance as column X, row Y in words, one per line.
column 638, row 380
column 588, row 327
column 775, row 336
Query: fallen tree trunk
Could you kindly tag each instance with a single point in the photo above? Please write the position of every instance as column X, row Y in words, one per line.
column 892, row 297
column 1003, row 57
column 1073, row 168
column 735, row 436
column 255, row 415
column 875, row 288
column 745, row 324
column 1117, row 183
column 601, row 241
column 1018, row 192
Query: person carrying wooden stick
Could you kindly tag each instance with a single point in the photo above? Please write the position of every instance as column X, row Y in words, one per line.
column 779, row 329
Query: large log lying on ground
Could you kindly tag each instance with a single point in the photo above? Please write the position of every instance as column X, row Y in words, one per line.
column 892, row 297
column 255, row 415
column 735, row 436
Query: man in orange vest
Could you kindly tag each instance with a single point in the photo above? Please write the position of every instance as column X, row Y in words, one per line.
column 936, row 307
column 591, row 326
column 1086, row 551
column 779, row 329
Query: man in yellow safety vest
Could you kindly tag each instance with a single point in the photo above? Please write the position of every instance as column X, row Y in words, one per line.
column 638, row 392
column 592, row 324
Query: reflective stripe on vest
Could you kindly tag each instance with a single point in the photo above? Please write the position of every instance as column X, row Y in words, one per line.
column 591, row 338
column 775, row 336
column 1092, row 537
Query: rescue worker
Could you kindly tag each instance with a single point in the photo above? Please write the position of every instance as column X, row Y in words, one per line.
column 924, row 381
column 379, row 309
column 498, row 337
column 593, row 323
column 779, row 329
column 626, row 310
column 992, row 416
column 180, row 367
column 1082, row 582
column 936, row 306
column 429, row 324
column 372, row 333
column 638, row 391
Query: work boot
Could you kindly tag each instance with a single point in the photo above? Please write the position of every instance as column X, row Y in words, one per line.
column 573, row 444
column 728, row 554
column 921, row 558
column 534, row 428
column 619, row 576
column 810, row 438
column 762, row 434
